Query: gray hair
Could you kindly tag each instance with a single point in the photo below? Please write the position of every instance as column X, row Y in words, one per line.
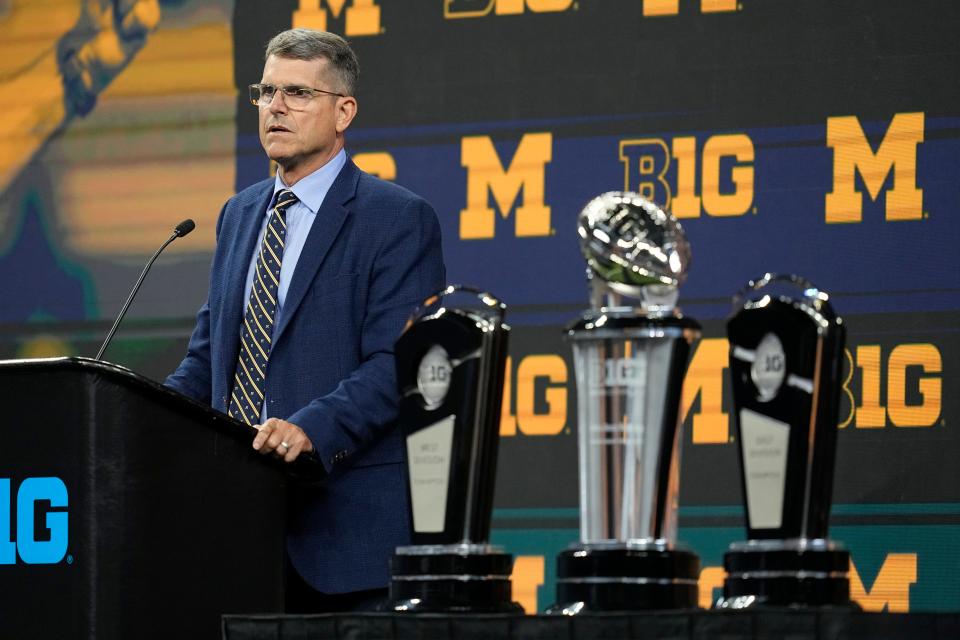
column 307, row 44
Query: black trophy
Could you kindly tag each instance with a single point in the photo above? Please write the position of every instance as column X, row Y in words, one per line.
column 450, row 369
column 630, row 353
column 786, row 352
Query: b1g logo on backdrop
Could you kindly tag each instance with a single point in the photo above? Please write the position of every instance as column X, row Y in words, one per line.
column 362, row 16
column 31, row 545
column 537, row 385
column 716, row 178
column 453, row 9
column 896, row 384
column 900, row 385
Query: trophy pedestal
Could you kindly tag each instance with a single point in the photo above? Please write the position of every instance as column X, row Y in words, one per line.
column 593, row 578
column 451, row 578
column 785, row 574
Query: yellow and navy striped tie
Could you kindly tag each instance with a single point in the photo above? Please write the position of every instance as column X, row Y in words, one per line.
column 256, row 333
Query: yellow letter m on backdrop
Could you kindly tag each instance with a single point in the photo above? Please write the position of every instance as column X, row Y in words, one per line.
column 852, row 154
column 363, row 16
column 486, row 174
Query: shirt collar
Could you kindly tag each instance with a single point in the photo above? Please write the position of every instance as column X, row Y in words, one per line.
column 312, row 189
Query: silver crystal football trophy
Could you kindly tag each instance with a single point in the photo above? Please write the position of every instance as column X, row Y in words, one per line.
column 450, row 368
column 786, row 356
column 630, row 354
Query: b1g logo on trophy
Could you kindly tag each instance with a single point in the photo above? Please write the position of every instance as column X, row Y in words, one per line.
column 786, row 352
column 450, row 369
column 630, row 353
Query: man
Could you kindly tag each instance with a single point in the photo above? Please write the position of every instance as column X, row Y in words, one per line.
column 314, row 274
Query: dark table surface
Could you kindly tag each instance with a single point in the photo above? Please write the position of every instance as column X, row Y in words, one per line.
column 726, row 625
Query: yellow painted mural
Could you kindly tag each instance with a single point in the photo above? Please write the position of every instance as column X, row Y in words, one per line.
column 157, row 147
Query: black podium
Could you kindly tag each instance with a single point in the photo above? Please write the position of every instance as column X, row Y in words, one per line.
column 127, row 510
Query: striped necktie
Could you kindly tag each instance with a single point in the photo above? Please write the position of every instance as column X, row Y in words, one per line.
column 256, row 333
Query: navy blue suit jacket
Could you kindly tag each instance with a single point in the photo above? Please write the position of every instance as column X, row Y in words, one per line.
column 372, row 255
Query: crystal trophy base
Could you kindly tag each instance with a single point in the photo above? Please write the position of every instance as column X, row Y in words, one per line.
column 785, row 573
column 451, row 578
column 624, row 577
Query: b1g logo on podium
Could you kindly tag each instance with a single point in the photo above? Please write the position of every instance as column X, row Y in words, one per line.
column 31, row 548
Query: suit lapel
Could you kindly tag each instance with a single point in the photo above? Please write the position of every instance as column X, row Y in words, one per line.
column 235, row 279
column 326, row 227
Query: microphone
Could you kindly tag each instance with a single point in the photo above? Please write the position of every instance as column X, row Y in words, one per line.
column 181, row 230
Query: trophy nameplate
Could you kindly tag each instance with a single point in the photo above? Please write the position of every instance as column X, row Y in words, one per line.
column 429, row 454
column 450, row 370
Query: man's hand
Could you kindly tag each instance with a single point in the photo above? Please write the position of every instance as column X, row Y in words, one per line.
column 283, row 438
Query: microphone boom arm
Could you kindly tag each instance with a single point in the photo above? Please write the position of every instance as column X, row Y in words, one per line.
column 182, row 229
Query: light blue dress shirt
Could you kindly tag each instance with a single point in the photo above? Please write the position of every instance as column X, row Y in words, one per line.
column 310, row 192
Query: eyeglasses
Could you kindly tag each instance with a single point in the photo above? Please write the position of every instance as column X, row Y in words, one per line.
column 296, row 97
